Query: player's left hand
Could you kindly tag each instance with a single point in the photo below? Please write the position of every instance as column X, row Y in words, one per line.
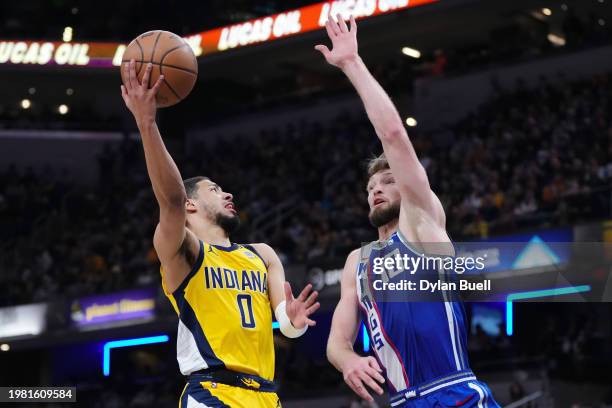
column 299, row 309
column 344, row 42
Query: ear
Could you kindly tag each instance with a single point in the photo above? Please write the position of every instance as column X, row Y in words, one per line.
column 190, row 206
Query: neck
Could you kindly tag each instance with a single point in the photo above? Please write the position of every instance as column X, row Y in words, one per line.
column 208, row 231
column 385, row 231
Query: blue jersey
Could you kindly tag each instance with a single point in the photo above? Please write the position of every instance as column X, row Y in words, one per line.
column 416, row 342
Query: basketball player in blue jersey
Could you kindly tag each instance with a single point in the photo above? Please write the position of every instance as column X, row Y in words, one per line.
column 419, row 347
column 222, row 292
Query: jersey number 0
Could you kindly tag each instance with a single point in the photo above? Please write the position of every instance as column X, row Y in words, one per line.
column 245, row 305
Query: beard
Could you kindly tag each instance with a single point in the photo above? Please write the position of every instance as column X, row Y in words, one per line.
column 229, row 223
column 381, row 216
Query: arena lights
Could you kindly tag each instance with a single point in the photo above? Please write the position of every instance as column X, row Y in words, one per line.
column 4, row 347
column 32, row 90
column 534, row 295
column 411, row 52
column 69, row 91
column 601, row 22
column 256, row 31
column 127, row 343
column 564, row 7
column 556, row 40
column 63, row 109
column 410, row 121
column 26, row 103
column 546, row 11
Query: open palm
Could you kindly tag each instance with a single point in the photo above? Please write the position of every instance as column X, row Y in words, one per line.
column 344, row 41
column 299, row 309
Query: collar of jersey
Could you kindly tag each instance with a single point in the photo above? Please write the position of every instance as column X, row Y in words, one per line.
column 226, row 248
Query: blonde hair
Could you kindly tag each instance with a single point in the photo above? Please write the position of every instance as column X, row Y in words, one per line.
column 377, row 164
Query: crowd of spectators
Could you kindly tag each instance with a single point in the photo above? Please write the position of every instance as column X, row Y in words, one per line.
column 528, row 158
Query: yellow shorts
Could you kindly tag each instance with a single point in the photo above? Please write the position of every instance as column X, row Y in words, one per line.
column 210, row 394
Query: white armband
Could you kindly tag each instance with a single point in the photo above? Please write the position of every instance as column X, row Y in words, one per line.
column 285, row 324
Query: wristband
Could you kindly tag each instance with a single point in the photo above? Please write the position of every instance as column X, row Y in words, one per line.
column 285, row 324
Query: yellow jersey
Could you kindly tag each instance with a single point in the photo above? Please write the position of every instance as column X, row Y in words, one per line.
column 225, row 317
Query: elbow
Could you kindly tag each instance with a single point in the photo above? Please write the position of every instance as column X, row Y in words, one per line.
column 393, row 133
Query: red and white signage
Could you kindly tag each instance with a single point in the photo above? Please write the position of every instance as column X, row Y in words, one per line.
column 257, row 31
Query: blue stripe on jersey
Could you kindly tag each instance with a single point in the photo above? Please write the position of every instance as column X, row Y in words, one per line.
column 201, row 395
column 189, row 319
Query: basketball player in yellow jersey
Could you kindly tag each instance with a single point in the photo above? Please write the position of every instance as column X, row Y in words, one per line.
column 223, row 292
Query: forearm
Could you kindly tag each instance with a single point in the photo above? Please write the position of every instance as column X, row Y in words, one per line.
column 339, row 349
column 378, row 105
column 163, row 172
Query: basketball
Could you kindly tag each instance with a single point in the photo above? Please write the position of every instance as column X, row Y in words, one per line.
column 170, row 56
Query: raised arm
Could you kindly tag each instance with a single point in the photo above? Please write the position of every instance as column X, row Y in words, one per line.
column 355, row 369
column 408, row 172
column 175, row 252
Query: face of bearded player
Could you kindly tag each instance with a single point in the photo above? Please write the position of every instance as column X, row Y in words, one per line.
column 216, row 205
column 383, row 198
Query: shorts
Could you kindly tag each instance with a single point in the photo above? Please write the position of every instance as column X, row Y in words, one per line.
column 202, row 392
column 464, row 392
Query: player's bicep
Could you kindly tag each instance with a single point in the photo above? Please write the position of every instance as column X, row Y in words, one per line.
column 345, row 322
column 276, row 273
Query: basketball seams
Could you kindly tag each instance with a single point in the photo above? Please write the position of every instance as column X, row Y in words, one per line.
column 153, row 55
column 168, row 48
column 166, row 65
column 168, row 84
column 141, row 56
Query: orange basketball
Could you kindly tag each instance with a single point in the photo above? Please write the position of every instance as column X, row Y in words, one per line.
column 170, row 56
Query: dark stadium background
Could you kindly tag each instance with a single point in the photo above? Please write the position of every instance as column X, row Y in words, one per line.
column 511, row 114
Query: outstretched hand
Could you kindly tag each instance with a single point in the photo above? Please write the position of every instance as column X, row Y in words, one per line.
column 299, row 309
column 344, row 42
column 139, row 98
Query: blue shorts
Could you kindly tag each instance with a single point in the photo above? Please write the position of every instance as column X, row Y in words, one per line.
column 460, row 389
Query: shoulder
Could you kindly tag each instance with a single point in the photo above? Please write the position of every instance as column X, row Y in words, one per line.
column 352, row 259
column 354, row 254
column 264, row 251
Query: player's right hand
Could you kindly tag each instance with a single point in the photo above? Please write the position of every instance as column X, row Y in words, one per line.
column 361, row 371
column 138, row 97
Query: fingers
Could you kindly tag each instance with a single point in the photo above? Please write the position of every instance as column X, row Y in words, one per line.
column 370, row 383
column 330, row 32
column 374, row 364
column 311, row 322
column 310, row 300
column 147, row 75
column 312, row 309
column 158, row 83
column 323, row 50
column 341, row 24
column 124, row 93
column 126, row 74
column 357, row 386
column 288, row 293
column 333, row 25
column 375, row 375
column 132, row 75
column 353, row 25
column 304, row 293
